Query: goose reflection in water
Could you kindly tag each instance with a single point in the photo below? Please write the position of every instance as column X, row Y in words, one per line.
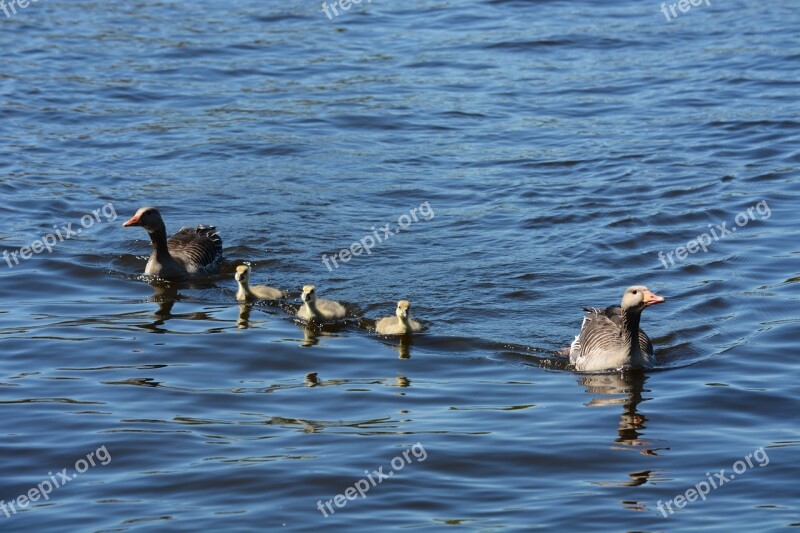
column 165, row 295
column 312, row 380
column 404, row 347
column 313, row 332
column 310, row 336
column 243, row 322
column 401, row 343
column 246, row 309
column 627, row 387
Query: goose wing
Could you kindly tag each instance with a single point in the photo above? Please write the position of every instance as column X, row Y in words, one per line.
column 599, row 332
column 614, row 314
column 197, row 248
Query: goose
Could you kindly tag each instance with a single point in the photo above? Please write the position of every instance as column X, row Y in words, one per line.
column 249, row 293
column 400, row 324
column 610, row 338
column 313, row 309
column 190, row 252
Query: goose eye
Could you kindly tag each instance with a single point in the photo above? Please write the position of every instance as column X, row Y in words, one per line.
column 635, row 292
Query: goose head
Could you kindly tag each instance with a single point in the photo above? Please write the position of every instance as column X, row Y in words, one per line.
column 242, row 274
column 309, row 295
column 638, row 297
column 403, row 307
column 147, row 217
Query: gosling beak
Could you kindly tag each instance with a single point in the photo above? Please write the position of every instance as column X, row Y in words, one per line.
column 133, row 221
column 652, row 299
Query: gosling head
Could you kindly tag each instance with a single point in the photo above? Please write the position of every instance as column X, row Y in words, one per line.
column 403, row 307
column 638, row 297
column 147, row 217
column 309, row 294
column 242, row 274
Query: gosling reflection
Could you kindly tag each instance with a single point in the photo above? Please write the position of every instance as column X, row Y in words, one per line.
column 402, row 344
column 243, row 322
column 313, row 332
column 628, row 388
column 404, row 347
column 312, row 380
column 310, row 336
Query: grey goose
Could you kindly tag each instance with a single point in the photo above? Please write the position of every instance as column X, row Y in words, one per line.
column 189, row 253
column 610, row 338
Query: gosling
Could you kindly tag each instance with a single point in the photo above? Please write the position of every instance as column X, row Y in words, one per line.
column 399, row 325
column 246, row 293
column 313, row 309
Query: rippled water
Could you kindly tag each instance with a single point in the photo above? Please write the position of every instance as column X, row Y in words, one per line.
column 560, row 146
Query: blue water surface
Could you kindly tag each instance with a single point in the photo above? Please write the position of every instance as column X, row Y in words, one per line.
column 560, row 151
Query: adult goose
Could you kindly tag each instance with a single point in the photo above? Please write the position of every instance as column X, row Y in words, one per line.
column 610, row 338
column 190, row 252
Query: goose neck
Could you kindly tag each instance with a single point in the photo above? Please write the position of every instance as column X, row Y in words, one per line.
column 158, row 237
column 630, row 327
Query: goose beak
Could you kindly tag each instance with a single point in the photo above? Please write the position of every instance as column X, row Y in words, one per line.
column 133, row 221
column 652, row 299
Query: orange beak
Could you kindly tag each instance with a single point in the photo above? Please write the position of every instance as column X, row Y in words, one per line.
column 133, row 221
column 652, row 299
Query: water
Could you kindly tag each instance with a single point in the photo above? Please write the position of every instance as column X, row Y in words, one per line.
column 560, row 147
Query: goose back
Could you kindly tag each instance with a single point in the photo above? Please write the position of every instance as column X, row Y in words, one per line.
column 600, row 344
column 199, row 249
